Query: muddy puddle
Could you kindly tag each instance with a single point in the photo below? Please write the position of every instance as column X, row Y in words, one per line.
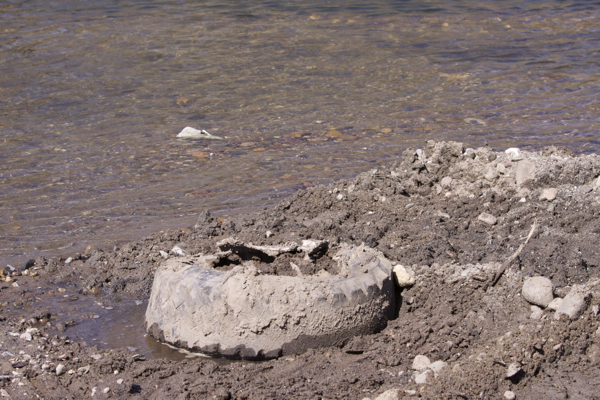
column 105, row 323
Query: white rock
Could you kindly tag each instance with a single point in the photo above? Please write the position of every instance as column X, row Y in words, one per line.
column 513, row 369
column 508, row 395
column 60, row 369
column 404, row 277
column 421, row 362
column 120, row 381
column 178, row 251
column 596, row 183
column 538, row 290
column 163, row 254
column 269, row 234
column 555, row 303
column 574, row 303
column 446, row 181
column 27, row 336
column 437, row 367
column 548, row 194
column 536, row 312
column 487, row 219
column 4, row 393
column 421, row 378
column 513, row 153
column 525, row 172
column 106, row 390
column 191, row 133
column 391, row 394
column 501, row 168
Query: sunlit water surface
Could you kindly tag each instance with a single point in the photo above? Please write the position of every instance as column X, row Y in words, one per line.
column 93, row 93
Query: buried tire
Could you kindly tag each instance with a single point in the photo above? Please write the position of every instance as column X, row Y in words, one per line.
column 244, row 314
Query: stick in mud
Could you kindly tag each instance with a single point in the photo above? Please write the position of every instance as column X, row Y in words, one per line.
column 507, row 263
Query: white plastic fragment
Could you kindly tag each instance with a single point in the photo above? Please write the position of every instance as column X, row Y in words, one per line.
column 191, row 133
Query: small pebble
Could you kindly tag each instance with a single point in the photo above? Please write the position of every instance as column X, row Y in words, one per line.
column 548, row 194
column 60, row 369
column 421, row 362
column 488, row 219
column 536, row 313
column 404, row 277
column 446, row 181
column 513, row 153
column 538, row 290
column 513, row 369
column 508, row 395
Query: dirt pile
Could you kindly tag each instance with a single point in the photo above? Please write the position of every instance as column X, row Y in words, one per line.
column 472, row 225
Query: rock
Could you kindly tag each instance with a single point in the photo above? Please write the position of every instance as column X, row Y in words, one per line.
column 191, row 133
column 536, row 312
column 27, row 336
column 60, row 369
column 391, row 394
column 513, row 369
column 575, row 303
column 178, row 251
column 90, row 249
column 491, row 174
column 421, row 378
column 446, row 181
column 269, row 234
column 488, row 219
column 501, row 168
column 538, row 290
column 555, row 304
column 596, row 183
column 525, row 172
column 548, row 194
column 163, row 254
column 508, row 395
column 28, row 264
column 437, row 367
column 513, row 153
column 420, row 363
column 404, row 278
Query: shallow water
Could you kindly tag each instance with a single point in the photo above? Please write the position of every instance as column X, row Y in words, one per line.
column 93, row 94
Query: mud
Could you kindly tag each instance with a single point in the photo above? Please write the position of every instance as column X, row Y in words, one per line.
column 465, row 308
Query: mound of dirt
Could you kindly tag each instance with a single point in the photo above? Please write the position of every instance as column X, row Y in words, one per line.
column 471, row 225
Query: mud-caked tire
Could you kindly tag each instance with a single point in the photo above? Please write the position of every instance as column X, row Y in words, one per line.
column 243, row 314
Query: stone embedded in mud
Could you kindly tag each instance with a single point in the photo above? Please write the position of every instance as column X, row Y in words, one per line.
column 421, row 362
column 555, row 304
column 513, row 369
column 525, row 172
column 446, row 181
column 437, row 367
column 391, row 394
column 509, row 395
column 574, row 303
column 421, row 378
column 404, row 277
column 488, row 219
column 536, row 312
column 548, row 194
column 538, row 290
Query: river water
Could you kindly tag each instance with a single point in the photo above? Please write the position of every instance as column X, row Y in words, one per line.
column 303, row 92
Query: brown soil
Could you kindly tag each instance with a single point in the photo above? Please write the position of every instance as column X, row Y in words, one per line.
column 463, row 309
